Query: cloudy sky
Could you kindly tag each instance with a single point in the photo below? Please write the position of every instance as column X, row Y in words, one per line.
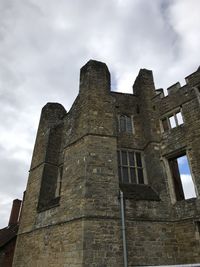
column 45, row 43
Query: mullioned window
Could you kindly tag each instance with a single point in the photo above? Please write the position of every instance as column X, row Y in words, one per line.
column 130, row 167
column 172, row 121
column 125, row 124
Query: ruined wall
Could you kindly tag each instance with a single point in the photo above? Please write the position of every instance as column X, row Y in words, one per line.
column 71, row 214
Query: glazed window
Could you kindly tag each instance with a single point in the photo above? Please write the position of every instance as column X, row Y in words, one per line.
column 184, row 187
column 125, row 124
column 172, row 121
column 130, row 167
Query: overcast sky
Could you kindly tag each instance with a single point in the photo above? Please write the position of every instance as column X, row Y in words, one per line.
column 44, row 43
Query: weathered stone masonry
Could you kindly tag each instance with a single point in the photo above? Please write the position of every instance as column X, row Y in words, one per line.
column 109, row 142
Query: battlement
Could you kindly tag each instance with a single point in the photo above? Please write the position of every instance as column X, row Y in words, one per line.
column 192, row 83
column 146, row 77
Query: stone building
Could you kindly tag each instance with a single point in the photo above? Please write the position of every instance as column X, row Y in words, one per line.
column 105, row 187
column 8, row 235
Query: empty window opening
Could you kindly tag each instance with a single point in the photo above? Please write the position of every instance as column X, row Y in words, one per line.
column 179, row 118
column 125, row 124
column 174, row 120
column 183, row 183
column 130, row 167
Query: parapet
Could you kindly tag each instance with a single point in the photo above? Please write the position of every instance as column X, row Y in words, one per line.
column 174, row 88
column 192, row 81
column 194, row 78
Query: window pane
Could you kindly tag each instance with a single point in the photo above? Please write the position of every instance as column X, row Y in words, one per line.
column 125, row 175
column 138, row 159
column 129, row 125
column 179, row 118
column 133, row 175
column 122, row 123
column 165, row 124
column 131, row 159
column 172, row 122
column 124, row 158
column 140, row 176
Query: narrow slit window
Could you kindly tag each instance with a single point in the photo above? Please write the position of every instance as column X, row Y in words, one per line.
column 183, row 183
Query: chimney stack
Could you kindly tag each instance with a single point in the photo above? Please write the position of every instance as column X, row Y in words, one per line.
column 15, row 212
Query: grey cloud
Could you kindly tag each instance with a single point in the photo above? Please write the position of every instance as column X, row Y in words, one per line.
column 44, row 44
column 13, row 179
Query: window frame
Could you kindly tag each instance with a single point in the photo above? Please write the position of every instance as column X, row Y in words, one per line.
column 130, row 167
column 171, row 179
column 127, row 123
column 165, row 120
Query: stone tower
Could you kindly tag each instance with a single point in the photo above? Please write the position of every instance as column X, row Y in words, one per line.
column 110, row 145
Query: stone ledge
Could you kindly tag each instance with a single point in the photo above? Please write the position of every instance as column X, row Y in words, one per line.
column 139, row 192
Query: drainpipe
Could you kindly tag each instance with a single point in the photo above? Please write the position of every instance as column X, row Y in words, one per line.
column 123, row 229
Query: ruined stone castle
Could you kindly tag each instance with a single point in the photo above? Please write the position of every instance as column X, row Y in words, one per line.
column 105, row 186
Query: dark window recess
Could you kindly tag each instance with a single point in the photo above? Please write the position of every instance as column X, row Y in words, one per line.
column 165, row 124
column 47, row 197
column 137, row 109
column 172, row 121
column 197, row 224
column 130, row 167
column 52, row 173
column 182, row 179
column 125, row 124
